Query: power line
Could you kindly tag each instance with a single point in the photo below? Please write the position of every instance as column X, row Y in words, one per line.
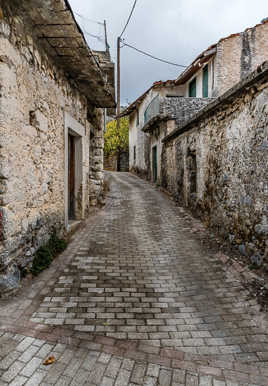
column 85, row 18
column 94, row 36
column 128, row 20
column 151, row 56
column 98, row 37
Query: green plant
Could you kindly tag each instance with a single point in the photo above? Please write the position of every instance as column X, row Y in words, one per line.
column 45, row 254
column 253, row 266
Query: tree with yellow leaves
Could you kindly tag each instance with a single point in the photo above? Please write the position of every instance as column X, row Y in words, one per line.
column 116, row 141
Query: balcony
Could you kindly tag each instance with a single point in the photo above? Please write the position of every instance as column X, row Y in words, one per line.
column 152, row 110
column 180, row 109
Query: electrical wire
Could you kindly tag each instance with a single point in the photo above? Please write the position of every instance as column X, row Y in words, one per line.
column 151, row 56
column 85, row 18
column 99, row 38
column 85, row 32
column 128, row 20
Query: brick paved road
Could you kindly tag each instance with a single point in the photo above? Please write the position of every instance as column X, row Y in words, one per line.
column 21, row 363
column 134, row 300
column 141, row 275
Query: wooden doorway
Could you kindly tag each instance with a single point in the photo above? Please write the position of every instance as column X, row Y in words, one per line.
column 71, row 175
column 154, row 156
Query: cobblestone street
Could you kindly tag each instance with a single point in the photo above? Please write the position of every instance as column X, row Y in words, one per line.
column 134, row 300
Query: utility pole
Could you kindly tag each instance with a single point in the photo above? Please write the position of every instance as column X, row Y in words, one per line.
column 118, row 85
column 118, row 96
column 106, row 40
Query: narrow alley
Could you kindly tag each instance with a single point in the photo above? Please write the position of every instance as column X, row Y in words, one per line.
column 134, row 300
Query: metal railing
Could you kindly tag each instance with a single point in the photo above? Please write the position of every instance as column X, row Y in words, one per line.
column 152, row 110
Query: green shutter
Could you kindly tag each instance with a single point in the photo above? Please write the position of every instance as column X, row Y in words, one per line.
column 192, row 88
column 205, row 81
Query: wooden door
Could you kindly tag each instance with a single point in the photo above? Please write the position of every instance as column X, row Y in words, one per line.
column 154, row 155
column 71, row 172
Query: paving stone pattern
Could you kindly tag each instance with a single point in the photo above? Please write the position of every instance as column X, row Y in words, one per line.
column 141, row 275
column 134, row 300
column 22, row 363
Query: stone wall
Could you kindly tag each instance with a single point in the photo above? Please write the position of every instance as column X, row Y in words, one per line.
column 238, row 55
column 117, row 162
column 110, row 163
column 173, row 112
column 217, row 164
column 35, row 97
column 96, row 176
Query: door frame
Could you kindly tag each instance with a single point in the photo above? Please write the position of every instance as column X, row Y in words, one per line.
column 154, row 163
column 74, row 128
column 71, row 176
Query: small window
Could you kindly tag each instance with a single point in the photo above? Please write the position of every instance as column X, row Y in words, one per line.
column 192, row 88
column 138, row 118
column 205, row 81
column 134, row 154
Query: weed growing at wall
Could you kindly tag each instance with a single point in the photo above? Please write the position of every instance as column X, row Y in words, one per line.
column 46, row 254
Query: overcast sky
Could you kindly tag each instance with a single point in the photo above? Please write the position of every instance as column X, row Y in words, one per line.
column 175, row 30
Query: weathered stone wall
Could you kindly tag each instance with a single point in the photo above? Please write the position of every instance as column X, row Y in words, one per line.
column 35, row 95
column 117, row 162
column 96, row 175
column 157, row 134
column 175, row 111
column 217, row 164
column 110, row 162
column 238, row 55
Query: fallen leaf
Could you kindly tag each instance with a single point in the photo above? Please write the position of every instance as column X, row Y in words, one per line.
column 49, row 361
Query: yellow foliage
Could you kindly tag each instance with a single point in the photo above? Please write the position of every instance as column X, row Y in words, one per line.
column 116, row 141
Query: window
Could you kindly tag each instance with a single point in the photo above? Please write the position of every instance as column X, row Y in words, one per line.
column 192, row 88
column 134, row 154
column 205, row 81
column 138, row 118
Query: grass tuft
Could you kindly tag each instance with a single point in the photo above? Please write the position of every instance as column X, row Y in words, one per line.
column 46, row 254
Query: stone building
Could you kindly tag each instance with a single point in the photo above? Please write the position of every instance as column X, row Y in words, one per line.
column 225, row 63
column 53, row 92
column 212, row 73
column 173, row 111
column 217, row 164
column 164, row 102
column 140, row 112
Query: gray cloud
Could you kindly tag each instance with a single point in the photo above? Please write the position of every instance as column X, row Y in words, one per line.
column 176, row 30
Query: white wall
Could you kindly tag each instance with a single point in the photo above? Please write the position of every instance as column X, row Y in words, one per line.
column 136, row 136
column 199, row 80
